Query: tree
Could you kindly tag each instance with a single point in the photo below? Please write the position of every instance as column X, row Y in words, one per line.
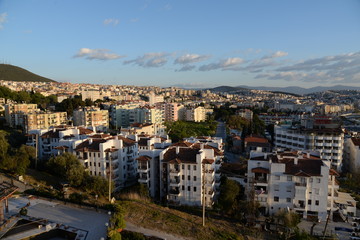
column 22, row 159
column 96, row 184
column 67, row 166
column 230, row 192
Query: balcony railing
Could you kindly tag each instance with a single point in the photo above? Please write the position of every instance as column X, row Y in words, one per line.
column 300, row 184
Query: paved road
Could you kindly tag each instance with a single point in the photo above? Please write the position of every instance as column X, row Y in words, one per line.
column 221, row 131
column 319, row 228
column 89, row 220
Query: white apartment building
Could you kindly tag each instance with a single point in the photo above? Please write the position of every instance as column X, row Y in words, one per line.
column 101, row 153
column 298, row 181
column 92, row 117
column 197, row 114
column 185, row 168
column 49, row 141
column 150, row 148
column 352, row 154
column 328, row 141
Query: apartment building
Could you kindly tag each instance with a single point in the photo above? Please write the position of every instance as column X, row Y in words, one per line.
column 299, row 181
column 185, row 168
column 125, row 117
column 352, row 154
column 103, row 155
column 148, row 164
column 12, row 112
column 245, row 113
column 197, row 114
column 144, row 128
column 42, row 120
column 328, row 139
column 171, row 111
column 50, row 141
column 92, row 117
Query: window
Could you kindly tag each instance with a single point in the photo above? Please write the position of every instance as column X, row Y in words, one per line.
column 194, row 167
column 317, row 191
column 182, row 177
column 183, row 167
column 276, row 199
column 309, row 202
column 99, row 164
column 183, row 187
column 289, row 178
column 318, row 180
column 317, row 202
column 277, row 177
column 276, row 187
column 189, row 167
column 194, row 189
column 288, row 199
column 99, row 173
column 310, row 180
column 194, row 178
column 90, row 164
column 189, row 177
column 188, row 188
column 288, row 188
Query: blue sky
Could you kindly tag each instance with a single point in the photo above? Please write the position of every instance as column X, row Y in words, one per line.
column 188, row 43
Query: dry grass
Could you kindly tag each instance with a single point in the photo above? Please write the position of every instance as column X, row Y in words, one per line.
column 152, row 216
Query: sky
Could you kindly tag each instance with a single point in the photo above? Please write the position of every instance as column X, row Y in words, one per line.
column 185, row 43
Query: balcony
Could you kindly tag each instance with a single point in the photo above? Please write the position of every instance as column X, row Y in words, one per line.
column 142, row 169
column 175, row 172
column 211, row 193
column 174, row 182
column 299, row 206
column 144, row 180
column 130, row 152
column 209, row 182
column 130, row 160
column 298, row 184
column 175, row 192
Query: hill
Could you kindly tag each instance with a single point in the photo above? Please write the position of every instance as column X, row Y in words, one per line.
column 302, row 91
column 13, row 73
column 228, row 89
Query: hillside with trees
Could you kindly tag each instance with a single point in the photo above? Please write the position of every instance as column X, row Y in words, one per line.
column 13, row 73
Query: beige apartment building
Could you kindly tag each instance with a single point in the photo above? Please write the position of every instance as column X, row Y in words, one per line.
column 12, row 111
column 94, row 117
column 43, row 120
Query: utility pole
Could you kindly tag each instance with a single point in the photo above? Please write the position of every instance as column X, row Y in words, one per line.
column 203, row 192
column 110, row 172
column 327, row 221
column 36, row 149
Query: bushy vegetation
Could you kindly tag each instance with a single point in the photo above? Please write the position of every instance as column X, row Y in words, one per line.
column 14, row 159
column 69, row 168
column 182, row 129
column 27, row 97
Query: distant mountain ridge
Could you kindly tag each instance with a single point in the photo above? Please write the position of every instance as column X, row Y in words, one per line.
column 290, row 89
column 227, row 89
column 13, row 73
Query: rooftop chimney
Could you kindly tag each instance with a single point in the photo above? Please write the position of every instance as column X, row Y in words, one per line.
column 177, row 150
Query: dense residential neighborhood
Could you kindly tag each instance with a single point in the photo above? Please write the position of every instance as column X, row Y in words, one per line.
column 251, row 155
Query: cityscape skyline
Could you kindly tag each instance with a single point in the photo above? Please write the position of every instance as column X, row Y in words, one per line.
column 186, row 44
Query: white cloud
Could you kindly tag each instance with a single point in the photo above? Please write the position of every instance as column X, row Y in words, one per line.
column 191, row 58
column 276, row 54
column 156, row 59
column 332, row 69
column 186, row 68
column 111, row 21
column 3, row 17
column 97, row 54
column 226, row 64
